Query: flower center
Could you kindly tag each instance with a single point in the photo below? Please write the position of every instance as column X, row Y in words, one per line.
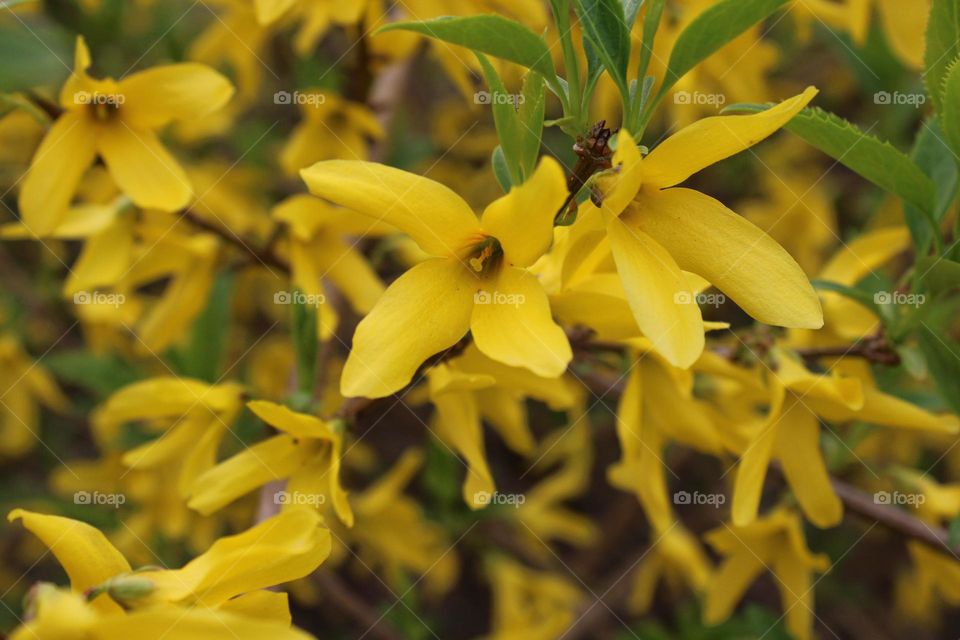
column 485, row 256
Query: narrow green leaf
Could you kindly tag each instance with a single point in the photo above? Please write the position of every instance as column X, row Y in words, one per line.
column 651, row 23
column 938, row 275
column 879, row 162
column 491, row 34
column 630, row 10
column 943, row 360
column 937, row 161
column 305, row 343
column 500, row 169
column 951, row 108
column 204, row 350
column 860, row 296
column 604, row 25
column 711, row 30
column 504, row 118
column 953, row 533
column 943, row 47
column 530, row 117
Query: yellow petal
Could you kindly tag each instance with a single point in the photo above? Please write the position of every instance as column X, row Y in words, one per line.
column 439, row 220
column 889, row 411
column 729, row 584
column 662, row 304
column 709, row 240
column 66, row 152
column 512, row 325
column 299, row 425
column 157, row 96
column 795, row 582
column 143, row 168
column 798, row 449
column 522, row 220
column 458, row 424
column 710, row 140
column 752, row 469
column 194, row 623
column 255, row 466
column 283, row 548
column 425, row 311
column 83, row 552
column 264, row 605
column 269, row 10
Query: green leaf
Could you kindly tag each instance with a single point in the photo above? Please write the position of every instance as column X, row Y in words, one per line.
column 651, row 23
column 938, row 275
column 33, row 57
column 943, row 47
column 500, row 169
column 204, row 351
column 305, row 343
column 943, row 360
column 953, row 533
column 710, row 31
column 494, row 35
column 630, row 10
column 530, row 117
column 879, row 162
column 951, row 107
column 505, row 119
column 604, row 25
column 857, row 295
column 101, row 374
column 932, row 155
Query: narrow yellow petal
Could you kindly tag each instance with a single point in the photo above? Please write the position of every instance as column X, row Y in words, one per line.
column 708, row 239
column 522, row 220
column 425, row 311
column 143, row 168
column 65, row 154
column 663, row 305
column 710, row 140
column 439, row 220
column 512, row 324
column 752, row 469
column 83, row 552
column 157, row 96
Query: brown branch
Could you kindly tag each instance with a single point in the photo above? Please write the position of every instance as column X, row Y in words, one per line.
column 267, row 258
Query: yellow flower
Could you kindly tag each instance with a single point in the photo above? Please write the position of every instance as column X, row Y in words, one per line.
column 332, row 129
column 477, row 280
column 775, row 543
column 26, row 386
column 791, row 434
column 655, row 229
column 530, row 604
column 315, row 17
column 320, row 250
column 116, row 120
column 191, row 416
column 677, row 558
column 225, row 581
column 308, row 452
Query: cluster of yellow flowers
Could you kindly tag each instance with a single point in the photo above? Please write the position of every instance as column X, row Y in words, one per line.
column 258, row 289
